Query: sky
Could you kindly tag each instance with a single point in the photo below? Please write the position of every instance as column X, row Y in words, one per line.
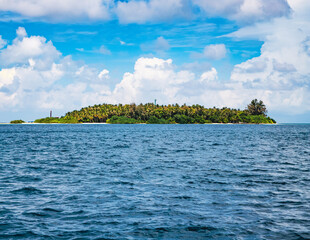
column 63, row 55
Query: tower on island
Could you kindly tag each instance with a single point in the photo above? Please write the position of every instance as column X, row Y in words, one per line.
column 51, row 113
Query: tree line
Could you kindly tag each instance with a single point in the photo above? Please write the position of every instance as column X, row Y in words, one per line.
column 255, row 112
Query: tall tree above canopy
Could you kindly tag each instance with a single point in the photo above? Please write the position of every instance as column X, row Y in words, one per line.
column 257, row 107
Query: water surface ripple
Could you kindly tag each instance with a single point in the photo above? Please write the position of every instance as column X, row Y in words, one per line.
column 155, row 181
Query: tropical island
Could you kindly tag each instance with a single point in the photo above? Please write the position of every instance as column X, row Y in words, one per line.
column 17, row 121
column 150, row 113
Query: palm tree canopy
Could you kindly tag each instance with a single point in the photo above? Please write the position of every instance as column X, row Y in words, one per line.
column 257, row 107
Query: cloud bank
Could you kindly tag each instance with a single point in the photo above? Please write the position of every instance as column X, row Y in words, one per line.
column 142, row 11
column 58, row 10
column 282, row 70
column 245, row 11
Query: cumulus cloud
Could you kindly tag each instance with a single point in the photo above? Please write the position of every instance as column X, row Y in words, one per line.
column 3, row 42
column 211, row 52
column 6, row 77
column 282, row 70
column 215, row 51
column 242, row 11
column 245, row 11
column 59, row 10
column 283, row 67
column 155, row 78
column 144, row 11
column 24, row 48
column 209, row 76
column 160, row 45
column 152, row 78
column 104, row 74
column 66, row 85
column 35, row 76
column 21, row 32
column 152, row 11
column 197, row 66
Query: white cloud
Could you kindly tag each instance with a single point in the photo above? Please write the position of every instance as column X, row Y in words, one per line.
column 104, row 74
column 215, row 51
column 3, row 42
column 24, row 48
column 21, row 32
column 152, row 11
column 282, row 69
column 143, row 11
column 102, row 50
column 155, row 78
column 160, row 45
column 300, row 8
column 152, row 78
column 7, row 77
column 38, row 77
column 59, row 10
column 209, row 76
column 197, row 66
column 123, row 43
column 244, row 11
column 80, row 49
column 19, row 85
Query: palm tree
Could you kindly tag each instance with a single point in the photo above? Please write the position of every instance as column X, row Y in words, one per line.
column 257, row 107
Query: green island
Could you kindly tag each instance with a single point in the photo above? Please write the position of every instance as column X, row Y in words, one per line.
column 17, row 121
column 255, row 113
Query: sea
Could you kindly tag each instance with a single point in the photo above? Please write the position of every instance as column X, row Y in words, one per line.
column 102, row 181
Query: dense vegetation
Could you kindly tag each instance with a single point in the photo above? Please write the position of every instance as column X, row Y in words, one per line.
column 57, row 120
column 17, row 121
column 160, row 114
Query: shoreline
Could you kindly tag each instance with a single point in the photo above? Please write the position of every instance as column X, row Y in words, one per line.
column 144, row 123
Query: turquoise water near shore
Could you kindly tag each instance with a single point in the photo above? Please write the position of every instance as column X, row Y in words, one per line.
column 89, row 181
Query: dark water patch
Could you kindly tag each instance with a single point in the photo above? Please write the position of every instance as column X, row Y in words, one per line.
column 121, row 146
column 183, row 150
column 201, row 229
column 183, row 197
column 28, row 178
column 27, row 191
column 52, row 210
column 122, row 183
column 72, row 198
column 36, row 214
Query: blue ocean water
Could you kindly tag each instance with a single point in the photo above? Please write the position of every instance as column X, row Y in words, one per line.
column 154, row 181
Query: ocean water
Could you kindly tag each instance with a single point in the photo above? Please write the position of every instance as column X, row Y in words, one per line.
column 154, row 181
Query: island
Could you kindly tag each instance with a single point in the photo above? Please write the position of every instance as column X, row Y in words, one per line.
column 17, row 121
column 150, row 113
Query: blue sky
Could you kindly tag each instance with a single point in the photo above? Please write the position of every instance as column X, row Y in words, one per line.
column 64, row 55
